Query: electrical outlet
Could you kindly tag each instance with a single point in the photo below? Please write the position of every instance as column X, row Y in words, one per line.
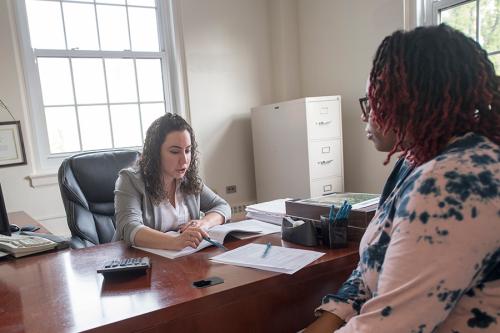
column 230, row 189
column 238, row 209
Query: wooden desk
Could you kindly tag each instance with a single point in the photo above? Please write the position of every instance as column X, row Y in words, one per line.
column 61, row 292
column 22, row 219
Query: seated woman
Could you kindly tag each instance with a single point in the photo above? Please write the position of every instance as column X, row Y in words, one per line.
column 163, row 191
column 430, row 258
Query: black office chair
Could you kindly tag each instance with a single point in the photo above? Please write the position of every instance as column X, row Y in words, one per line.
column 87, row 183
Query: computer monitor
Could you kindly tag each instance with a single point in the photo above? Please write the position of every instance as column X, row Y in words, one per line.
column 4, row 220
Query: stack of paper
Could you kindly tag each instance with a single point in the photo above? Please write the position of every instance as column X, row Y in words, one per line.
column 270, row 211
column 277, row 258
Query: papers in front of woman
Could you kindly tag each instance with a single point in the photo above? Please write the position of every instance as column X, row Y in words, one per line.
column 277, row 259
column 243, row 229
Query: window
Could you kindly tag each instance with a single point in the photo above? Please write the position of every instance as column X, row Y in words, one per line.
column 97, row 73
column 478, row 19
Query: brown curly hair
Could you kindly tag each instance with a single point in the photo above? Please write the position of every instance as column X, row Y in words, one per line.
column 150, row 161
column 429, row 85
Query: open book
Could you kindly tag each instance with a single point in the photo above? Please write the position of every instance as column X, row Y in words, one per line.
column 218, row 233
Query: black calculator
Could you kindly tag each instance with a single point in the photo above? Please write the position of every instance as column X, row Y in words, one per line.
column 124, row 265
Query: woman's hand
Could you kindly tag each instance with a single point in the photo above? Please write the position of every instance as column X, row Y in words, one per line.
column 191, row 236
column 193, row 223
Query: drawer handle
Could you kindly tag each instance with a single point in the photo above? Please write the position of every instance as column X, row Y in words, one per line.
column 325, row 162
column 325, row 150
column 327, row 188
column 326, row 122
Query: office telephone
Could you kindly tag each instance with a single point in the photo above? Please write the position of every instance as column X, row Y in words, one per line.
column 20, row 245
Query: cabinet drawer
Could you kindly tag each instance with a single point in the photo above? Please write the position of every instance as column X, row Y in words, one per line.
column 325, row 159
column 326, row 186
column 323, row 120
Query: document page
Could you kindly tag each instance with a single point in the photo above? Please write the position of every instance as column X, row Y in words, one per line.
column 243, row 229
column 172, row 254
column 278, row 259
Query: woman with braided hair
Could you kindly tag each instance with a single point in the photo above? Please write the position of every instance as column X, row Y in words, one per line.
column 430, row 258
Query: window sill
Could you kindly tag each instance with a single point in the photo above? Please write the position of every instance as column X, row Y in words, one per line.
column 43, row 179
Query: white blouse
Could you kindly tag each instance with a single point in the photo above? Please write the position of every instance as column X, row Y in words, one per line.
column 170, row 218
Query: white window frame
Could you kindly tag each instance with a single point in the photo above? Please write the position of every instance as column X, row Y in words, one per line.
column 438, row 5
column 442, row 4
column 172, row 59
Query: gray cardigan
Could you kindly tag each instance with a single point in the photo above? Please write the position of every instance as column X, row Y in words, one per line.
column 134, row 209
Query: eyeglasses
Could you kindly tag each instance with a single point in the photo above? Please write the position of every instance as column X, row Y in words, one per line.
column 365, row 107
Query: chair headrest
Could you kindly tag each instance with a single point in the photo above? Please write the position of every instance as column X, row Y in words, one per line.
column 91, row 176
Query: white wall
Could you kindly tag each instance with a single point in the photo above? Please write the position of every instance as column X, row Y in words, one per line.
column 338, row 39
column 227, row 53
column 284, row 32
column 42, row 202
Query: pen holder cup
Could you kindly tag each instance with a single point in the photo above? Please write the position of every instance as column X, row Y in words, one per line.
column 299, row 232
column 333, row 234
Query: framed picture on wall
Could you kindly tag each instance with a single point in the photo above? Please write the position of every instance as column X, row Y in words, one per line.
column 11, row 144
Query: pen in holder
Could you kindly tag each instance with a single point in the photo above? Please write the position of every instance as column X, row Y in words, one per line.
column 334, row 227
column 338, row 234
column 333, row 233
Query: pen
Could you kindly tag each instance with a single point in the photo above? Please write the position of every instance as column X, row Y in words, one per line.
column 219, row 245
column 266, row 251
column 332, row 213
column 340, row 213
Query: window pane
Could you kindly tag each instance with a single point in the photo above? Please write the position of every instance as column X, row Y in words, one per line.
column 62, row 129
column 126, row 125
column 120, row 75
column 143, row 29
column 150, row 80
column 89, row 81
column 489, row 20
column 495, row 59
column 461, row 17
column 81, row 31
column 45, row 25
column 147, row 3
column 113, row 30
column 55, row 79
column 149, row 113
column 94, row 127
column 116, row 2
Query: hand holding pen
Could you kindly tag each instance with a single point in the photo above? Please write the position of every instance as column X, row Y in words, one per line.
column 190, row 236
column 196, row 225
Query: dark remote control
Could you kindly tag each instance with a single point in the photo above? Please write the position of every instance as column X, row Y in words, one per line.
column 125, row 265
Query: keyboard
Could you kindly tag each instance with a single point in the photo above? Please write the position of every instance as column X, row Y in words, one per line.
column 19, row 245
column 125, row 265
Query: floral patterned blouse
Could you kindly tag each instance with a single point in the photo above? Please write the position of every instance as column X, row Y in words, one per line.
column 430, row 258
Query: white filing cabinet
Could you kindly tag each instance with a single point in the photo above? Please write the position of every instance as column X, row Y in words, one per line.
column 297, row 148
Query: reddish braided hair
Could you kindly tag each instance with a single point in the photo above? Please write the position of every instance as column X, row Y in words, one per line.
column 429, row 85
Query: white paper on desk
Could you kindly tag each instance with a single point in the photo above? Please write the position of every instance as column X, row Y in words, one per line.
column 279, row 259
column 264, row 227
column 243, row 229
column 275, row 207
